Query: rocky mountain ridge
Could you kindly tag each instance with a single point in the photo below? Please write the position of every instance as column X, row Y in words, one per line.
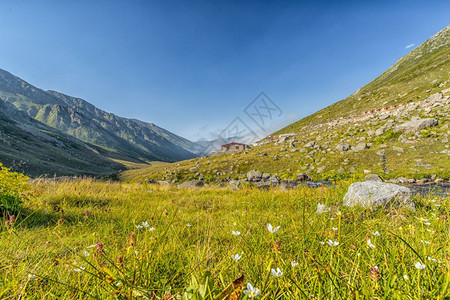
column 126, row 139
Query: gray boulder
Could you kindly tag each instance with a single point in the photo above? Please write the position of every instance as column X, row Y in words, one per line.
column 302, row 177
column 309, row 145
column 254, row 175
column 343, row 147
column 235, row 185
column 373, row 194
column 416, row 125
column 274, row 179
column 373, row 177
column 360, row 146
column 263, row 185
column 265, row 176
column 191, row 184
column 380, row 131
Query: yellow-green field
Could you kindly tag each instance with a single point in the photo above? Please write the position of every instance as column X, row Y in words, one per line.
column 79, row 240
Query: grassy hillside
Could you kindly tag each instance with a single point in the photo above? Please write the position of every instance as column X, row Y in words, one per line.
column 78, row 240
column 356, row 135
column 421, row 73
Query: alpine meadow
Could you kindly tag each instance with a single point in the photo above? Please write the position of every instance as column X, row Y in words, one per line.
column 349, row 202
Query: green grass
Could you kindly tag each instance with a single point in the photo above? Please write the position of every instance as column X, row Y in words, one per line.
column 40, row 253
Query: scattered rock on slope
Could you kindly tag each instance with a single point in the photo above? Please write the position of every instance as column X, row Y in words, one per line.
column 254, row 175
column 360, row 146
column 416, row 125
column 235, row 185
column 191, row 184
column 372, row 194
column 343, row 147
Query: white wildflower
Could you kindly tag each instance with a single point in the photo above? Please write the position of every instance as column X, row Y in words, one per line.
column 31, row 276
column 272, row 229
column 236, row 233
column 369, row 243
column 236, row 257
column 332, row 243
column 294, row 264
column 276, row 273
column 334, row 228
column 376, row 233
column 79, row 269
column 419, row 266
column 251, row 291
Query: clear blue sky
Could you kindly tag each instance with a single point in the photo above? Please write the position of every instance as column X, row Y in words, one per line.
column 192, row 66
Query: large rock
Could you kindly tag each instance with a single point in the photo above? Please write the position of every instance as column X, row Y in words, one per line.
column 263, row 185
column 372, row 194
column 416, row 125
column 360, row 146
column 373, row 177
column 235, row 185
column 191, row 184
column 265, row 176
column 274, row 179
column 254, row 175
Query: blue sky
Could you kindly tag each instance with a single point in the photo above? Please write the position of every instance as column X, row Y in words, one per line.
column 193, row 66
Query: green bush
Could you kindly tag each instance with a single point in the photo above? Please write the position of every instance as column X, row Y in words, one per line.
column 12, row 188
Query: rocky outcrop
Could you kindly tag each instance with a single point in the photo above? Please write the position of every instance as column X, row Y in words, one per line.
column 373, row 194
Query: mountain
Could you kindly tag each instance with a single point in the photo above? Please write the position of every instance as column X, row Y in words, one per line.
column 35, row 149
column 119, row 138
column 397, row 125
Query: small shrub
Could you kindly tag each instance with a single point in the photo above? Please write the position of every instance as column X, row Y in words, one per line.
column 12, row 187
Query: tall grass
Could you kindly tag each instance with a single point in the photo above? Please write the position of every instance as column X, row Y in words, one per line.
column 79, row 239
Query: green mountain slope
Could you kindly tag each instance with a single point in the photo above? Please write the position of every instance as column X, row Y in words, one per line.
column 422, row 72
column 397, row 125
column 35, row 149
column 124, row 138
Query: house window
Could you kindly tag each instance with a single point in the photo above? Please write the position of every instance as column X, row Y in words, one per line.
column 237, row 147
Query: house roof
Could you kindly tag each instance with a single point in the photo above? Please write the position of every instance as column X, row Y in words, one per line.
column 234, row 143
